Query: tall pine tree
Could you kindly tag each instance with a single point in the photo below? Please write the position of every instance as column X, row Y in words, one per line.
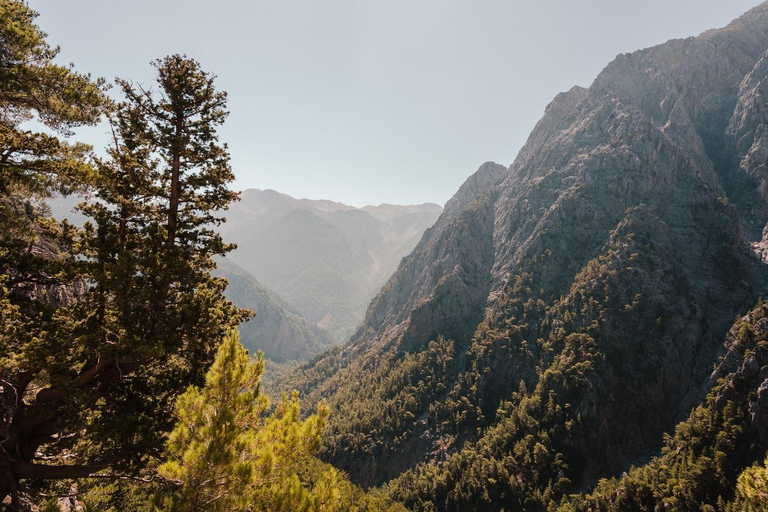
column 94, row 389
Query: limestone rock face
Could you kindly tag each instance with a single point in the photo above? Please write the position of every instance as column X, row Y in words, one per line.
column 634, row 215
column 449, row 267
column 488, row 175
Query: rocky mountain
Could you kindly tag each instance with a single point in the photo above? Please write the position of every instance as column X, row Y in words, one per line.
column 326, row 259
column 281, row 333
column 564, row 314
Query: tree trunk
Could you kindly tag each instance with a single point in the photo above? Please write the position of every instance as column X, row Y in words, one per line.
column 29, row 426
column 12, row 471
column 24, row 469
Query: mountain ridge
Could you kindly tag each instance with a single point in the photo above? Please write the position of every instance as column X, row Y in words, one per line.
column 600, row 273
column 277, row 330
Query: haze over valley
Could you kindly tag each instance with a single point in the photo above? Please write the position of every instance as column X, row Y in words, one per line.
column 325, row 259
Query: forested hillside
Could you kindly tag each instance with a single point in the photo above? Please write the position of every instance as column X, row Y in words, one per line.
column 563, row 317
column 716, row 457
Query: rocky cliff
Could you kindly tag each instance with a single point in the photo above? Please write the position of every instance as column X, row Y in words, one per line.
column 566, row 312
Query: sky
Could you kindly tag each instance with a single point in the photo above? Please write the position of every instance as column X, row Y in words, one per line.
column 372, row 101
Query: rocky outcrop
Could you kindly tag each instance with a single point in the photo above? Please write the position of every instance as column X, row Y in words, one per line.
column 488, row 175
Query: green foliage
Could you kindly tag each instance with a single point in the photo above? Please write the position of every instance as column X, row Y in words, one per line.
column 103, row 327
column 32, row 86
column 225, row 454
column 752, row 489
column 119, row 495
column 698, row 467
column 31, row 82
column 385, row 403
column 33, row 166
column 172, row 136
column 377, row 414
column 37, row 267
column 521, row 455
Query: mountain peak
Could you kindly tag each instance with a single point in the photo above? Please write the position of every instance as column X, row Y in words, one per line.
column 486, row 176
column 756, row 16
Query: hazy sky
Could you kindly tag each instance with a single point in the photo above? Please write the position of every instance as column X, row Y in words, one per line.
column 374, row 101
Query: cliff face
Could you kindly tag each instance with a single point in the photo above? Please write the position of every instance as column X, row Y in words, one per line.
column 619, row 245
column 450, row 266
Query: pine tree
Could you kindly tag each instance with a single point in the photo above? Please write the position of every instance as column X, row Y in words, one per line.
column 178, row 127
column 225, row 455
column 171, row 135
column 89, row 382
column 35, row 262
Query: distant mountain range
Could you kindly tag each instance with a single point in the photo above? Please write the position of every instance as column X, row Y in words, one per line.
column 277, row 329
column 326, row 259
column 308, row 268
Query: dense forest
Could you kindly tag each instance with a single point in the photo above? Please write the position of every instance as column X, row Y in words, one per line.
column 583, row 330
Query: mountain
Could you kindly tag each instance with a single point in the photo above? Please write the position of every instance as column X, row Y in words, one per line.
column 326, row 259
column 308, row 267
column 564, row 314
column 716, row 445
column 277, row 330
